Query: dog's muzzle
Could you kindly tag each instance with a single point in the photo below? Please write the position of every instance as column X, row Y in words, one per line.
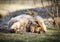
column 12, row 31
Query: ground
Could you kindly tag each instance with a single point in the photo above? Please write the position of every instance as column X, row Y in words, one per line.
column 52, row 35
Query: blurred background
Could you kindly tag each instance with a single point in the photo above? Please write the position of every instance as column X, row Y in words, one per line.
column 49, row 10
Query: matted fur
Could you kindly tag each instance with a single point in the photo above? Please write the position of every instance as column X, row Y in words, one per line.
column 23, row 20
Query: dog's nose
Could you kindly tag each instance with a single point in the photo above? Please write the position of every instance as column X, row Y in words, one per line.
column 12, row 31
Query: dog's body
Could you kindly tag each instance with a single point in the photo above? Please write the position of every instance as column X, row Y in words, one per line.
column 20, row 23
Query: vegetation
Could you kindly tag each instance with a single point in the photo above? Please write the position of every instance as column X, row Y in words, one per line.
column 52, row 35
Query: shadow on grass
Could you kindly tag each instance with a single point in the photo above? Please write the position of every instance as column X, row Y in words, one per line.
column 30, row 37
column 1, row 40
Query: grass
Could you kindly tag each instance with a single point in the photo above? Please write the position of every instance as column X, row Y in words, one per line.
column 52, row 35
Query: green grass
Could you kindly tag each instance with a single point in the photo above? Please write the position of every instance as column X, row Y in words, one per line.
column 52, row 35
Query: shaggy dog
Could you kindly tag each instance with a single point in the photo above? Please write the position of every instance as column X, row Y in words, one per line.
column 20, row 23
column 23, row 22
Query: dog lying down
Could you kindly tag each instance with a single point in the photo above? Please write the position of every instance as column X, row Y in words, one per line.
column 19, row 23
